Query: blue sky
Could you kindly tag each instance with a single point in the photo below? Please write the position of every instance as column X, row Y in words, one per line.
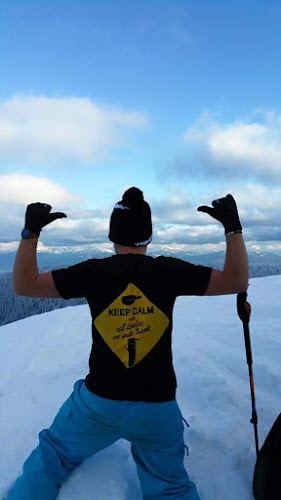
column 180, row 98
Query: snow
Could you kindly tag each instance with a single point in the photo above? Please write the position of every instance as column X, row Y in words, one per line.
column 42, row 356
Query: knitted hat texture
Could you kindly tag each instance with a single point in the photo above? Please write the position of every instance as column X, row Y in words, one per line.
column 130, row 221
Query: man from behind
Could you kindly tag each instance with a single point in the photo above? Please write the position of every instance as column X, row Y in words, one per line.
column 130, row 390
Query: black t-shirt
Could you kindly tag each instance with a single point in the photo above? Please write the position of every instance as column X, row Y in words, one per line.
column 131, row 298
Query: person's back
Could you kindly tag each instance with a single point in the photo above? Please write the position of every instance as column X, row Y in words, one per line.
column 131, row 298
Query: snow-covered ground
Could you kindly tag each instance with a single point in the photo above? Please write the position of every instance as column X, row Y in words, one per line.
column 42, row 356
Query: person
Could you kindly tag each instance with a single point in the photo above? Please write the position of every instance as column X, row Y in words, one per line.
column 130, row 390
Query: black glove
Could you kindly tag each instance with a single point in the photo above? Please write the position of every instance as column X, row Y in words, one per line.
column 225, row 211
column 38, row 215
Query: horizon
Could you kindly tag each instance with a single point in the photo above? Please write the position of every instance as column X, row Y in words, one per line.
column 260, row 263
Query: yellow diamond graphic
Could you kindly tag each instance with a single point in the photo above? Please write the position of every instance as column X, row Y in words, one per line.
column 131, row 326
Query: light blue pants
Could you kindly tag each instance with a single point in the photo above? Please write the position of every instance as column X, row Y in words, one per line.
column 86, row 424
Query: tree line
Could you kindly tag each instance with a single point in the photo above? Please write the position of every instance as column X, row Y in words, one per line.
column 13, row 307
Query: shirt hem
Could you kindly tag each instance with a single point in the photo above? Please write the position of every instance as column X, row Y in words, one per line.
column 169, row 396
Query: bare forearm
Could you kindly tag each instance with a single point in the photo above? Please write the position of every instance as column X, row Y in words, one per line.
column 236, row 261
column 25, row 267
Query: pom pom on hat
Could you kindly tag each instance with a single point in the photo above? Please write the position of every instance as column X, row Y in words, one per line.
column 132, row 197
column 130, row 221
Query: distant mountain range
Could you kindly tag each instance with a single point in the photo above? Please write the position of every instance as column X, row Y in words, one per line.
column 69, row 258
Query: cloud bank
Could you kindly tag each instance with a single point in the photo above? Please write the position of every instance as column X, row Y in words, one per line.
column 175, row 218
column 22, row 189
column 45, row 130
column 248, row 148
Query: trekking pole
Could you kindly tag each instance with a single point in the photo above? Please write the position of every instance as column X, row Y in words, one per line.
column 244, row 312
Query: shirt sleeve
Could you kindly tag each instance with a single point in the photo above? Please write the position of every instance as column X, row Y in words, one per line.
column 187, row 278
column 75, row 281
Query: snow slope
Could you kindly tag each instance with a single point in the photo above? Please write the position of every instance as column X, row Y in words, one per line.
column 42, row 356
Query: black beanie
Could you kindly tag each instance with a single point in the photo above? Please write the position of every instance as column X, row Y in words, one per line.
column 130, row 221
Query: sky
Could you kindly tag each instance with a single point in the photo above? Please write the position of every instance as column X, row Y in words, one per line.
column 179, row 98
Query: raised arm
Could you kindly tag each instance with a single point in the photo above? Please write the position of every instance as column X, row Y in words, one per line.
column 26, row 279
column 235, row 275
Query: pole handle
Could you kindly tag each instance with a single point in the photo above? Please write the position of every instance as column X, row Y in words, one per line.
column 243, row 307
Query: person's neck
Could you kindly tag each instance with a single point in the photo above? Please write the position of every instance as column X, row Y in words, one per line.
column 123, row 250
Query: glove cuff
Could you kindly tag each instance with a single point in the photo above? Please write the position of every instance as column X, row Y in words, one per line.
column 238, row 231
column 33, row 229
column 233, row 226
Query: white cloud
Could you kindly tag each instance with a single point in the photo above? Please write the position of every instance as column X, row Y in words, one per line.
column 258, row 205
column 244, row 147
column 175, row 218
column 22, row 189
column 182, row 234
column 79, row 228
column 19, row 190
column 75, row 232
column 175, row 208
column 71, row 129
